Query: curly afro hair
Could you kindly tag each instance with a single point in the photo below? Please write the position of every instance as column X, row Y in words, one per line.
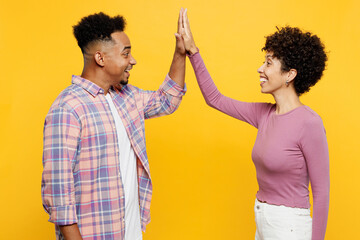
column 97, row 27
column 301, row 51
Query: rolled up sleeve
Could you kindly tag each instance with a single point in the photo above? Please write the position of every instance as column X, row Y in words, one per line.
column 172, row 88
column 163, row 101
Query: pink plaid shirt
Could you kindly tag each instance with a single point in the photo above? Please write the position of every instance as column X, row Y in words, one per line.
column 81, row 181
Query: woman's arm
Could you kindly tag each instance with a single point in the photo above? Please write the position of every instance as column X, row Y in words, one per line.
column 244, row 111
column 315, row 149
column 248, row 112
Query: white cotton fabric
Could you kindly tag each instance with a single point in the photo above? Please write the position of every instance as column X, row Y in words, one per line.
column 128, row 177
column 275, row 222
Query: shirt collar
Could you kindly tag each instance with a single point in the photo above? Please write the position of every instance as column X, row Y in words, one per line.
column 89, row 86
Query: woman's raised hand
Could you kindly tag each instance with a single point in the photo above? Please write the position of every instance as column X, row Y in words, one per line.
column 185, row 32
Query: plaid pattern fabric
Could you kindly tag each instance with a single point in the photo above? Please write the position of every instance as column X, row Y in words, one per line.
column 81, row 180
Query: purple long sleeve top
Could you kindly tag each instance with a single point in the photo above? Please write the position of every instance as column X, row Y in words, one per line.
column 290, row 149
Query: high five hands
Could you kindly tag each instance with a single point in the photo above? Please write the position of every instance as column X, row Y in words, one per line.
column 184, row 38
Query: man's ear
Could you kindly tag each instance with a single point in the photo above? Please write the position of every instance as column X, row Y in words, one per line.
column 99, row 58
column 291, row 75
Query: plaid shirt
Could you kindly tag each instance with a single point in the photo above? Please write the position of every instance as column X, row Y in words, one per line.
column 81, row 181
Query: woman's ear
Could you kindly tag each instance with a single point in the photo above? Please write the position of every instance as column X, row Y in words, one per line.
column 291, row 75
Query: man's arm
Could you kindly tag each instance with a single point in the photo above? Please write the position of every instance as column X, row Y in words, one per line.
column 61, row 133
column 168, row 97
column 177, row 68
column 71, row 232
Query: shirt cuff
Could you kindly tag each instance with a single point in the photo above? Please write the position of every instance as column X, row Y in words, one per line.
column 172, row 88
column 63, row 215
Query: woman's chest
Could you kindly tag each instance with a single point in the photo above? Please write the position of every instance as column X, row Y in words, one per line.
column 277, row 145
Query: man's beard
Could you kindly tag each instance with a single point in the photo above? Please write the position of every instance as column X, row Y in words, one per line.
column 124, row 82
column 120, row 84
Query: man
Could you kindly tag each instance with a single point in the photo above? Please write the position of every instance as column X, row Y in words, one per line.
column 96, row 181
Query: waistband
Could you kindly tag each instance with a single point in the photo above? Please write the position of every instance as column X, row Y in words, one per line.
column 264, row 206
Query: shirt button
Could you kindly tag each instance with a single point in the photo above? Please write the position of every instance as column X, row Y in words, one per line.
column 257, row 207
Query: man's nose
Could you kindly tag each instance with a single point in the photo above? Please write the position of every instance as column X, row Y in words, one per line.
column 132, row 60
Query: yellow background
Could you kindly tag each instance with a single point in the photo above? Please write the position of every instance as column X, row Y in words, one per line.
column 203, row 176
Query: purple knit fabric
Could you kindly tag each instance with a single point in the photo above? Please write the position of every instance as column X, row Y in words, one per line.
column 290, row 149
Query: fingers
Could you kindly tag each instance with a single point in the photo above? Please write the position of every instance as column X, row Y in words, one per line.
column 178, row 36
column 180, row 19
column 182, row 32
column 186, row 23
column 184, row 16
column 187, row 19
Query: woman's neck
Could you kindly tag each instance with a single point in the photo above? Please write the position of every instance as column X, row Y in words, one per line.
column 286, row 102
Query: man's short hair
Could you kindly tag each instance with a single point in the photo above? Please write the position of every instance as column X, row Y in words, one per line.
column 97, row 27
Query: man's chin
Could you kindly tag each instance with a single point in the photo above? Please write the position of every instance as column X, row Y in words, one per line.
column 124, row 82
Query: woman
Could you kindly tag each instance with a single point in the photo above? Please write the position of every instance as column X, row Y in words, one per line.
column 291, row 146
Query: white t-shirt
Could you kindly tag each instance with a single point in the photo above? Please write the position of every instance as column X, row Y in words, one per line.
column 128, row 172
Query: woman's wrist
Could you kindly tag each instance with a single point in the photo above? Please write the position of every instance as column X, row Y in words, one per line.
column 192, row 50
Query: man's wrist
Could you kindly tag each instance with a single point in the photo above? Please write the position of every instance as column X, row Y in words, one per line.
column 178, row 53
column 71, row 232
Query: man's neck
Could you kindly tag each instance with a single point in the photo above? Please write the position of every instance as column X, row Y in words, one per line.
column 97, row 78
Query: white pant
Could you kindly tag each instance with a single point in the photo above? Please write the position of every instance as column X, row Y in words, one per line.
column 282, row 223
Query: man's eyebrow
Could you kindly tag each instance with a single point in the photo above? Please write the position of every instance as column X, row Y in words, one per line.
column 269, row 56
column 126, row 47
